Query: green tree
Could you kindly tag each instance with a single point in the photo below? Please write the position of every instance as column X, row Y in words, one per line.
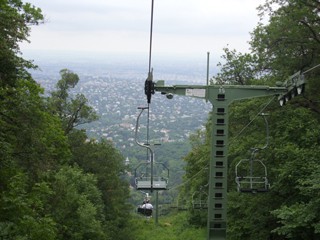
column 287, row 43
column 72, row 111
column 30, row 134
column 23, row 214
column 77, row 207
column 32, row 144
column 238, row 68
column 290, row 40
column 195, row 186
column 16, row 18
column 41, row 195
column 104, row 161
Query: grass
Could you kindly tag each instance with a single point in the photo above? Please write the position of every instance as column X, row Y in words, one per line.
column 171, row 227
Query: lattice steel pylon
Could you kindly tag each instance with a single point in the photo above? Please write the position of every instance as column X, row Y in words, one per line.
column 221, row 96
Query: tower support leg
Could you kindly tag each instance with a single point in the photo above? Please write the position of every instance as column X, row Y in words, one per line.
column 217, row 208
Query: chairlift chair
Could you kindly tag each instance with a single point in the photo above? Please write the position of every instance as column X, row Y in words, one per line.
column 156, row 182
column 145, row 211
column 251, row 176
column 200, row 199
column 142, row 209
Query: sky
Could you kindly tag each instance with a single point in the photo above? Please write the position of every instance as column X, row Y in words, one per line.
column 181, row 27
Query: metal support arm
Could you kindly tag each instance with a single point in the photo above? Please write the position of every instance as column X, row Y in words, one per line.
column 145, row 146
column 211, row 92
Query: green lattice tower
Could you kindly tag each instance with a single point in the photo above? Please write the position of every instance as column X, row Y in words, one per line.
column 221, row 96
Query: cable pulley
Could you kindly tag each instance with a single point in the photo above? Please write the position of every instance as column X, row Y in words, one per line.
column 149, row 87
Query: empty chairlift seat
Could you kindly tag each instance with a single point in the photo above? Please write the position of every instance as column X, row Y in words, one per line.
column 251, row 176
column 145, row 183
column 158, row 181
column 200, row 199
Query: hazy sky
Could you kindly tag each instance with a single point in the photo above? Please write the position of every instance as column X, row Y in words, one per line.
column 180, row 26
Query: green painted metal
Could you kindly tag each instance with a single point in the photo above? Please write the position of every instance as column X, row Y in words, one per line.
column 156, row 220
column 220, row 96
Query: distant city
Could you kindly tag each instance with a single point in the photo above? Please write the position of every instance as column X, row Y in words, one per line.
column 115, row 88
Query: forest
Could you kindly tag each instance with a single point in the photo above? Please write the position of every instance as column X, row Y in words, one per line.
column 57, row 183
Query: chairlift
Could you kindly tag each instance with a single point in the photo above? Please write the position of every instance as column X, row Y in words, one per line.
column 200, row 199
column 144, row 209
column 251, row 174
column 178, row 205
column 150, row 175
column 144, row 181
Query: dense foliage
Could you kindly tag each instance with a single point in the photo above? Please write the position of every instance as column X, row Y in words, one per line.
column 54, row 182
column 284, row 42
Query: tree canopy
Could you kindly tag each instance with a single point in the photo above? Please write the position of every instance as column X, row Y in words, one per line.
column 16, row 18
column 73, row 111
column 55, row 183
